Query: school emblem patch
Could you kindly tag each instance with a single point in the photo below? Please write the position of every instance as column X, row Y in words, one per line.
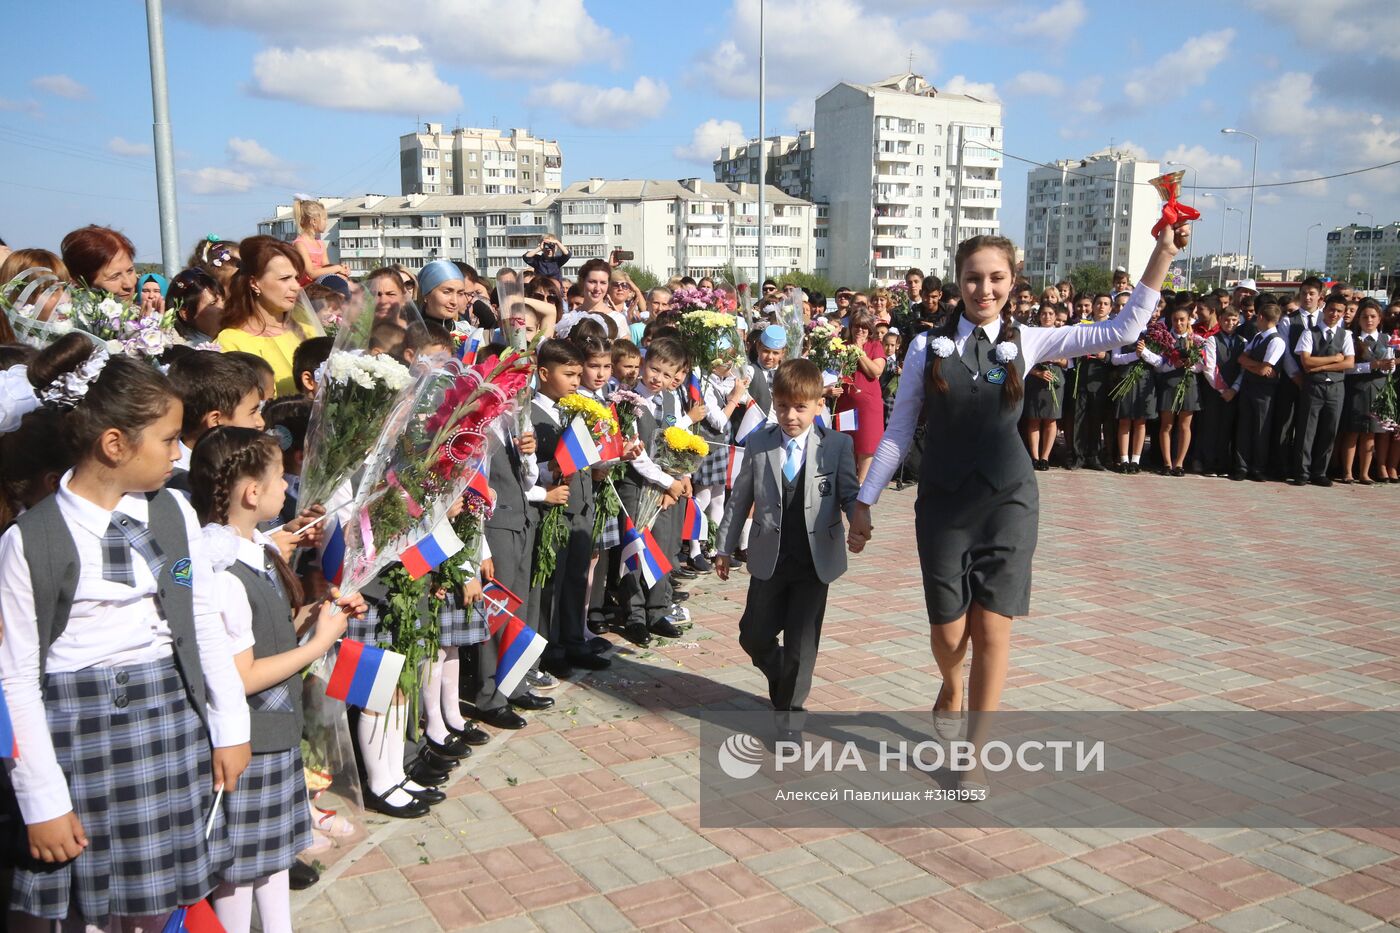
column 824, row 487
column 181, row 573
column 997, row 376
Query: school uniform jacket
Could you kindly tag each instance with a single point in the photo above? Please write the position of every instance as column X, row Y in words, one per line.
column 830, row 490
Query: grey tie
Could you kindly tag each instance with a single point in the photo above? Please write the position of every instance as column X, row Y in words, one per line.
column 123, row 535
column 975, row 352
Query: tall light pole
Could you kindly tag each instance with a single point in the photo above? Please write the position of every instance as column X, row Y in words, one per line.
column 1207, row 194
column 1370, row 245
column 1220, row 280
column 1191, row 247
column 164, row 142
column 1306, row 236
column 762, row 156
column 1253, row 177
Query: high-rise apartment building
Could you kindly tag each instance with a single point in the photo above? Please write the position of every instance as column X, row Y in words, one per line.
column 477, row 162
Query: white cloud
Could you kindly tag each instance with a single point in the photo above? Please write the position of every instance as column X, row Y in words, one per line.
column 614, row 107
column 1344, row 26
column 553, row 35
column 59, row 86
column 28, row 106
column 958, row 84
column 1211, row 169
column 250, row 153
column 125, row 147
column 369, row 76
column 813, row 44
column 709, row 138
column 214, row 180
column 1179, row 70
column 801, row 113
column 1035, row 83
column 1057, row 24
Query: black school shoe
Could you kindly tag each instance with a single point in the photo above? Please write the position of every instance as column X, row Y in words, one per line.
column 471, row 735
column 532, row 702
column 664, row 628
column 455, row 747
column 302, row 876
column 502, row 718
column 590, row 662
column 637, row 634
column 408, row 811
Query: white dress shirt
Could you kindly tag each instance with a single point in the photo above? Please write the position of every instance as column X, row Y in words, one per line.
column 111, row 625
column 1037, row 344
column 645, row 466
column 1305, row 342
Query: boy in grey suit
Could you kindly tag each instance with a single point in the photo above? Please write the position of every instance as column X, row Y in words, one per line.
column 799, row 478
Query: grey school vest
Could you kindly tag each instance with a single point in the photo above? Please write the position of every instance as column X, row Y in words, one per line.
column 53, row 574
column 1324, row 347
column 510, row 513
column 648, row 432
column 275, row 713
column 1256, row 353
column 968, row 428
column 1227, row 356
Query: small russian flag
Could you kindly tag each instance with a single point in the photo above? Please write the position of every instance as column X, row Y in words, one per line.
column 480, row 486
column 612, row 444
column 736, row 460
column 197, row 918
column 753, row 419
column 365, row 676
column 468, row 348
column 847, row 420
column 428, row 554
column 333, row 553
column 9, row 746
column 694, row 527
column 518, row 646
column 692, row 389
column 640, row 552
column 577, row 449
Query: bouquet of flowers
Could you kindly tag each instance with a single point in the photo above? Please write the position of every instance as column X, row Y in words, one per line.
column 901, row 299
column 1162, row 341
column 694, row 298
column 1054, row 382
column 679, row 454
column 35, row 305
column 1386, row 408
column 355, row 393
column 828, row 350
column 711, row 339
column 429, row 449
column 554, row 531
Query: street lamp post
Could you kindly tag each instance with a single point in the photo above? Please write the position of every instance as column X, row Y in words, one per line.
column 1306, row 236
column 1045, row 264
column 1253, row 176
column 762, row 155
column 1370, row 245
column 164, row 141
column 1191, row 277
column 1191, row 248
column 1220, row 279
column 958, row 183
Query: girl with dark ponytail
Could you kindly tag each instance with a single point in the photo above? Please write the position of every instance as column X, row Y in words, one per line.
column 977, row 513
column 236, row 482
column 116, row 669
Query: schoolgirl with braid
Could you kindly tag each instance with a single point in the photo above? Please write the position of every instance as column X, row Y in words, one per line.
column 978, row 510
column 236, row 482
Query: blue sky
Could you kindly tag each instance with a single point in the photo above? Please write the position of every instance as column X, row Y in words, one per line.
column 269, row 98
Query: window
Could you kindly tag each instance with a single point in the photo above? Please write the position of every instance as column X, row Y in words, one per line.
column 670, row 229
column 821, row 253
column 454, row 221
column 617, row 207
column 495, row 220
column 617, row 229
column 496, row 242
column 670, row 207
column 454, row 242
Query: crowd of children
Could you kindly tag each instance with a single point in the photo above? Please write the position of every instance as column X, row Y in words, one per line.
column 160, row 602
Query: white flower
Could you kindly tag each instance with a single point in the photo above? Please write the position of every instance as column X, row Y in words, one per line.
column 1006, row 352
column 942, row 347
column 152, row 341
column 111, row 309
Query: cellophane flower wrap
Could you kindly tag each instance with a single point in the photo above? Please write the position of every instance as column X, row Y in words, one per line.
column 1160, row 340
column 711, row 339
column 121, row 327
column 608, row 505
column 428, row 451
column 356, row 389
column 554, row 530
column 678, row 453
column 829, row 350
column 355, row 393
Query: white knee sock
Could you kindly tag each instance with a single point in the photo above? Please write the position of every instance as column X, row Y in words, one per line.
column 233, row 904
column 451, row 688
column 715, row 511
column 274, row 897
column 431, row 691
column 744, row 535
column 381, row 746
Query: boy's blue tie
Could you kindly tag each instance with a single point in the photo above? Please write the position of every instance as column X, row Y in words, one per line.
column 790, row 465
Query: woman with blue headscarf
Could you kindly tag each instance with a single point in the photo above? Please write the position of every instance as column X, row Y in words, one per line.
column 150, row 292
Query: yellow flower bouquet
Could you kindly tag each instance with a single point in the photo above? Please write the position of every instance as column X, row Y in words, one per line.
column 679, row 453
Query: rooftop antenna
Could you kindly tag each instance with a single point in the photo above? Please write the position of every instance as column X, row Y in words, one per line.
column 911, row 61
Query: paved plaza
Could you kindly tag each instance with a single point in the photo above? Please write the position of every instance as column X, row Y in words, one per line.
column 1150, row 592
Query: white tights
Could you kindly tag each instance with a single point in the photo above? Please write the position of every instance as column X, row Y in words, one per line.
column 381, row 739
column 234, row 904
column 442, row 700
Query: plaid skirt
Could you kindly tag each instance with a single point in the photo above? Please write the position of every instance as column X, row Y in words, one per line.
column 713, row 466
column 461, row 626
column 367, row 630
column 137, row 761
column 269, row 817
column 610, row 537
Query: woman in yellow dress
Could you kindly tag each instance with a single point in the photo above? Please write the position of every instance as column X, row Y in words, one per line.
column 260, row 313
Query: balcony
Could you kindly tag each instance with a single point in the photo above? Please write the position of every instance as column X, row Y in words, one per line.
column 896, row 135
column 892, row 239
column 893, row 221
column 526, row 230
column 705, row 218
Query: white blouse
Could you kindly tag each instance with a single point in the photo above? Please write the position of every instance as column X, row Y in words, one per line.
column 111, row 625
column 1037, row 344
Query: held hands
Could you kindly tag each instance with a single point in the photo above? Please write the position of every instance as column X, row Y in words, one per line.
column 722, row 566
column 676, row 490
column 471, row 591
column 525, row 443
column 861, row 528
column 331, row 622
column 61, row 839
column 557, row 495
column 633, row 450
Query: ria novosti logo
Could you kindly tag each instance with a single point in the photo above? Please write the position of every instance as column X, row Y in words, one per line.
column 740, row 756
